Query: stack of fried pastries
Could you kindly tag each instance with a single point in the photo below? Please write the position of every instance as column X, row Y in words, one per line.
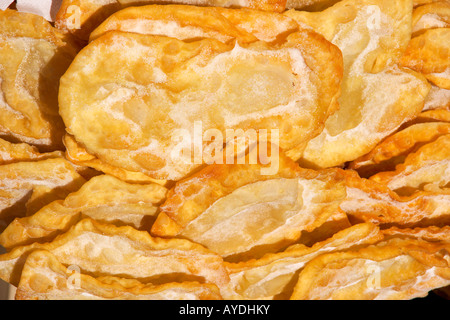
column 118, row 122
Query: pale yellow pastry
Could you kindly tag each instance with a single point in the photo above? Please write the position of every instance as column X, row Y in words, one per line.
column 429, row 54
column 33, row 56
column 25, row 187
column 240, row 213
column 103, row 198
column 394, row 149
column 107, row 250
column 141, row 109
column 377, row 96
column 372, row 201
column 430, row 16
column 273, row 276
column 78, row 155
column 45, row 278
column 190, row 23
column 431, row 233
column 426, row 169
column 81, row 17
column 16, row 152
column 438, row 98
column 396, row 269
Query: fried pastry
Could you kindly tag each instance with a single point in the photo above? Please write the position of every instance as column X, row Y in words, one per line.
column 310, row 5
column 76, row 154
column 33, row 56
column 377, row 95
column 176, row 21
column 17, row 152
column 189, row 23
column 140, row 107
column 103, row 198
column 394, row 269
column 427, row 169
column 25, row 187
column 274, row 275
column 430, row 16
column 394, row 149
column 265, row 26
column 370, row 201
column 43, row 277
column 81, row 17
column 208, row 205
column 433, row 115
column 418, row 3
column 105, row 250
column 429, row 54
column 209, row 149
column 438, row 98
column 431, row 233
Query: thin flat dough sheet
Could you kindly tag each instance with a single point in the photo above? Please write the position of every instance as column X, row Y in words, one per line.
column 17, row 152
column 397, row 269
column 33, row 57
column 103, row 198
column 45, row 278
column 105, row 250
column 429, row 54
column 393, row 150
column 78, row 155
column 190, row 22
column 81, row 17
column 139, row 118
column 220, row 206
column 377, row 96
column 426, row 169
column 25, row 187
column 371, row 201
column 430, row 16
column 274, row 275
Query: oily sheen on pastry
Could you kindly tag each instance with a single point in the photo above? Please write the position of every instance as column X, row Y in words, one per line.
column 45, row 278
column 236, row 150
column 81, row 17
column 103, row 198
column 370, row 106
column 136, row 103
column 33, row 56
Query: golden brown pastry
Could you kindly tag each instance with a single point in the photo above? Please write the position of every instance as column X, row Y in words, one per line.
column 273, row 276
column 76, row 154
column 33, row 56
column 372, row 201
column 427, row 169
column 159, row 92
column 25, row 187
column 103, row 198
column 377, row 95
column 429, row 54
column 190, row 23
column 431, row 233
column 394, row 149
column 394, row 269
column 81, row 17
column 220, row 206
column 310, row 5
column 430, row 16
column 45, row 278
column 17, row 152
column 211, row 149
column 106, row 250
